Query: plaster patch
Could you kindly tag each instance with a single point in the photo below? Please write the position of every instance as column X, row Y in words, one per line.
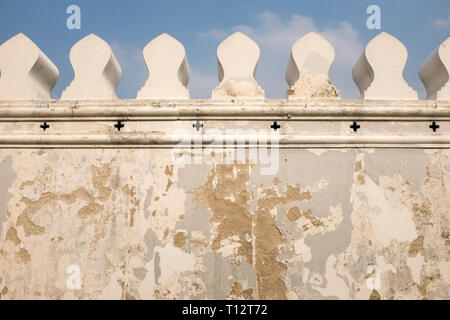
column 415, row 266
column 7, row 177
column 388, row 222
column 336, row 286
column 302, row 249
column 173, row 261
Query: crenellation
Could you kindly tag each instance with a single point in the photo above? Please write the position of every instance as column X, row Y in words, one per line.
column 97, row 72
column 237, row 61
column 378, row 73
column 168, row 69
column 307, row 72
column 26, row 73
column 435, row 71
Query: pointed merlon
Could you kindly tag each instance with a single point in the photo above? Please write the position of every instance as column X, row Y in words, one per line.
column 379, row 71
column 26, row 72
column 435, row 71
column 168, row 69
column 307, row 72
column 237, row 59
column 97, row 72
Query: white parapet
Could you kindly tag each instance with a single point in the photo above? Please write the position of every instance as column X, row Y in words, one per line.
column 237, row 59
column 26, row 72
column 168, row 69
column 307, row 70
column 434, row 73
column 378, row 73
column 97, row 72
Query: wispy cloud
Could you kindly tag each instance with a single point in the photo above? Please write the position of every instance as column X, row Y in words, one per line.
column 442, row 23
column 214, row 33
column 201, row 84
column 276, row 38
column 134, row 71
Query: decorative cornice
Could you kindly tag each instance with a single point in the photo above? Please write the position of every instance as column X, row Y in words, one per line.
column 330, row 109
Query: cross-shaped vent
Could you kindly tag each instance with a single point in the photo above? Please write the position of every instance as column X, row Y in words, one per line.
column 45, row 126
column 197, row 125
column 275, row 126
column 119, row 125
column 355, row 126
column 434, row 126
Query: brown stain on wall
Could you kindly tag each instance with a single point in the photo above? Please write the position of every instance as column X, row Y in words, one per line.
column 24, row 256
column 91, row 208
column 169, row 174
column 234, row 217
column 375, row 295
column 269, row 270
column 294, row 214
column 131, row 193
column 237, row 292
column 358, row 166
column 179, row 239
column 100, row 178
column 26, row 184
column 11, row 235
column 360, row 179
column 416, row 246
column 32, row 207
column 4, row 291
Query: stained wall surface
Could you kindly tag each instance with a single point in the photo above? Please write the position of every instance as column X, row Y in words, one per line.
column 142, row 226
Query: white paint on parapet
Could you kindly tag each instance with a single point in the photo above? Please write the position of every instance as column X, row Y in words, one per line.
column 237, row 60
column 307, row 71
column 97, row 72
column 379, row 71
column 168, row 69
column 434, row 73
column 26, row 72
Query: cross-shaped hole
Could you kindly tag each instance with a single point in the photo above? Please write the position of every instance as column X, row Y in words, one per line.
column 197, row 125
column 45, row 126
column 355, row 126
column 275, row 126
column 119, row 125
column 434, row 126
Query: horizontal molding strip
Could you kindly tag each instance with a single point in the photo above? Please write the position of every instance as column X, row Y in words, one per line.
column 90, row 110
column 152, row 140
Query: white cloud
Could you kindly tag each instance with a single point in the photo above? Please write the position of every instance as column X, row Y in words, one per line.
column 201, row 84
column 276, row 38
column 214, row 33
column 134, row 70
column 442, row 23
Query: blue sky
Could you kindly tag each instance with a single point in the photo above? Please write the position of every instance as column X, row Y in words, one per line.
column 200, row 25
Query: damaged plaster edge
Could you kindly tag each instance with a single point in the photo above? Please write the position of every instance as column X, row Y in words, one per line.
column 312, row 109
column 184, row 141
column 46, row 103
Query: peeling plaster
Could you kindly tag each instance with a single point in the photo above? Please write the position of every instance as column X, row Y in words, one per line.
column 152, row 229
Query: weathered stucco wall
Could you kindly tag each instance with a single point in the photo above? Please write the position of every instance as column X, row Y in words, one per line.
column 314, row 198
column 140, row 225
